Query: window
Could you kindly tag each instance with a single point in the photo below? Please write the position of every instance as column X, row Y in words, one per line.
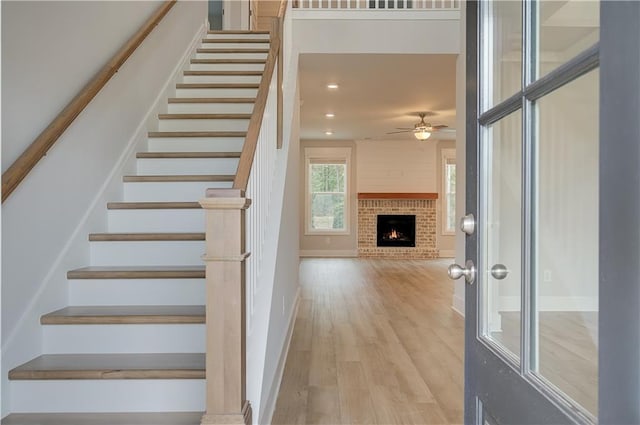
column 448, row 192
column 327, row 196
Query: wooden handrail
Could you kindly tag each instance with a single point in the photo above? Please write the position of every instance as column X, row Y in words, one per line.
column 41, row 145
column 253, row 132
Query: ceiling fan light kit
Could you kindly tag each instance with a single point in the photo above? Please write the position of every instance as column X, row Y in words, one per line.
column 422, row 130
column 421, row 134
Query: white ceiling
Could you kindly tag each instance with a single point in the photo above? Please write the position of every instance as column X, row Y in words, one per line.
column 377, row 93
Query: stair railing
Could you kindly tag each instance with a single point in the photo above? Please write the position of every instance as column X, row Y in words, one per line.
column 21, row 167
column 232, row 276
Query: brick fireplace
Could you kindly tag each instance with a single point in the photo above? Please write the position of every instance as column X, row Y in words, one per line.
column 422, row 205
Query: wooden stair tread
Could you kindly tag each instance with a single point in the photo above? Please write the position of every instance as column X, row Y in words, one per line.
column 236, row 61
column 212, row 100
column 237, row 32
column 197, row 134
column 178, row 178
column 204, row 116
column 226, row 73
column 112, row 366
column 186, row 155
column 236, row 40
column 128, row 237
column 94, row 418
column 152, row 205
column 144, row 314
column 235, row 50
column 217, row 85
column 137, row 272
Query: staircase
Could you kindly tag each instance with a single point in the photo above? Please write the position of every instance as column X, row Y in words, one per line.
column 130, row 346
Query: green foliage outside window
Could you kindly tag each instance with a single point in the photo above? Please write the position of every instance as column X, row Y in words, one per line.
column 328, row 191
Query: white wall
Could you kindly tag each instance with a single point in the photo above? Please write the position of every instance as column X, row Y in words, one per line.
column 285, row 291
column 397, row 166
column 334, row 35
column 46, row 220
column 50, row 50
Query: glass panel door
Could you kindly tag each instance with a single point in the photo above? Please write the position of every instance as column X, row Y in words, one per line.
column 534, row 162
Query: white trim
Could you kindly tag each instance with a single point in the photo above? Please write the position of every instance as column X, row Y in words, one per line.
column 552, row 303
column 329, row 253
column 272, row 397
column 331, row 155
column 458, row 305
column 447, row 253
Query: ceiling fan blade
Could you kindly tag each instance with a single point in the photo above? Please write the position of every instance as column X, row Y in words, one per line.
column 405, row 128
column 438, row 127
column 403, row 131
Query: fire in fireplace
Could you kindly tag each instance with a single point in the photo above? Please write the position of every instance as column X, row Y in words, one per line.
column 397, row 230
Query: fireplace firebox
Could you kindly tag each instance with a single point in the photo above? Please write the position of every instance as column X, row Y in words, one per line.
column 397, row 230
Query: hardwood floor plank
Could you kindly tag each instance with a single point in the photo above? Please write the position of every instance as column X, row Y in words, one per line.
column 367, row 343
column 323, row 406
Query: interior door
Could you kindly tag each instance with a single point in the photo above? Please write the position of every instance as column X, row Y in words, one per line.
column 539, row 184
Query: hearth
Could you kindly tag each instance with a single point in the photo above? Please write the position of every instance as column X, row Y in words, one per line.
column 396, row 230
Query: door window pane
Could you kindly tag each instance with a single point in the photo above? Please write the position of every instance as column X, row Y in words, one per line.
column 502, row 152
column 501, row 51
column 565, row 28
column 566, row 240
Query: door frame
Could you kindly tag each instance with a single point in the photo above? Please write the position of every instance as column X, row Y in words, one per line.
column 619, row 319
column 619, row 250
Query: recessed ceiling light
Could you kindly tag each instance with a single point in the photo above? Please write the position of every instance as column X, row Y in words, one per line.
column 329, row 115
column 332, row 86
column 328, row 133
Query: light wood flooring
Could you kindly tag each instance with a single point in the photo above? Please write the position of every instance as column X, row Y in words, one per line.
column 568, row 351
column 375, row 342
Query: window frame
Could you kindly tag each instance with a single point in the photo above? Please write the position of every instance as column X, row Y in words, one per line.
column 333, row 155
column 447, row 154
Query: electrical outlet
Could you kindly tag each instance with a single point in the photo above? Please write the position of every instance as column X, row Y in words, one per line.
column 547, row 275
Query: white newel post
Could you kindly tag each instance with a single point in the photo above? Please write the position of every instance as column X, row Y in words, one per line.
column 225, row 322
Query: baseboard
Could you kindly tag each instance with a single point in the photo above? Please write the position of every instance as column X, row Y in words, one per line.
column 328, row 253
column 458, row 305
column 272, row 398
column 447, row 253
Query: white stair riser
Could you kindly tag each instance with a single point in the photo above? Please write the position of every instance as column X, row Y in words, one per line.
column 210, row 108
column 203, row 125
column 166, row 220
column 231, row 55
column 120, row 339
column 146, row 253
column 187, row 166
column 136, row 292
column 234, row 45
column 227, row 67
column 236, row 36
column 195, row 144
column 121, row 395
column 216, row 92
column 170, row 192
column 221, row 79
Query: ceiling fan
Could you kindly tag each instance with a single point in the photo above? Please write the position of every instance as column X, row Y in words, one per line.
column 421, row 130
